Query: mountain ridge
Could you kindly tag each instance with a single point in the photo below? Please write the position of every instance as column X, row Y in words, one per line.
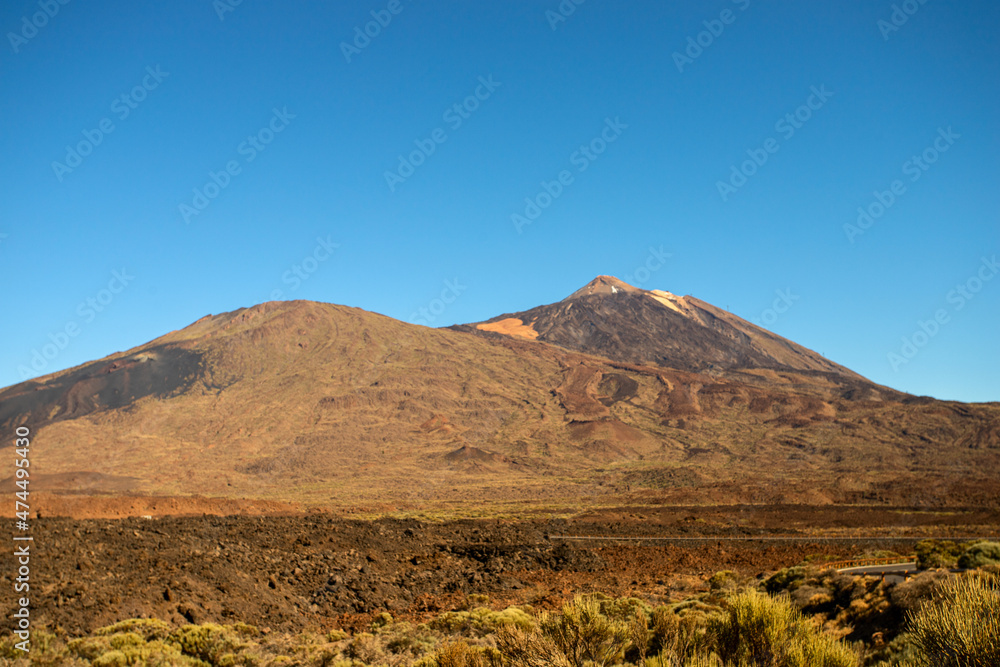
column 611, row 318
column 322, row 405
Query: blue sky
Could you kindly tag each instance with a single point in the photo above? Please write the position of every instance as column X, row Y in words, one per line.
column 726, row 145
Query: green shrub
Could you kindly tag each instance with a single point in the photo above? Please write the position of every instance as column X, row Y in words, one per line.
column 937, row 553
column 367, row 648
column 621, row 609
column 910, row 594
column 147, row 628
column 703, row 660
column 811, row 597
column 111, row 659
column 208, row 642
column 476, row 600
column 980, row 554
column 382, row 620
column 763, row 630
column 961, row 627
column 460, row 654
column 126, row 641
column 586, row 635
column 667, row 659
column 46, row 650
column 675, row 635
column 900, row 652
column 527, row 648
column 406, row 640
column 722, row 581
column 788, row 578
column 664, row 631
column 90, row 648
column 480, row 622
column 137, row 641
column 127, row 649
column 592, row 630
column 336, row 636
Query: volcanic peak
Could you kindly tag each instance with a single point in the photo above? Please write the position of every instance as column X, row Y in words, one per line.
column 604, row 285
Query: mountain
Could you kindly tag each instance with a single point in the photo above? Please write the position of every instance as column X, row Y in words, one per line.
column 614, row 395
column 610, row 318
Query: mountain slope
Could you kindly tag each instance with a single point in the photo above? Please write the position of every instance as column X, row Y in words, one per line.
column 332, row 406
column 610, row 318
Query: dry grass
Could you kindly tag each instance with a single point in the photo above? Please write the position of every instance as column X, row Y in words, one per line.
column 961, row 627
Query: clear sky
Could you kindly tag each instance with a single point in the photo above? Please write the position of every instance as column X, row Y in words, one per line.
column 217, row 155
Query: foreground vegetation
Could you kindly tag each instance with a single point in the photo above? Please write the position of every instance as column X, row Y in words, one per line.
column 955, row 623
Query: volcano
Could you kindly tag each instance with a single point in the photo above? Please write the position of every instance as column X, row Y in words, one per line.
column 613, row 319
column 613, row 395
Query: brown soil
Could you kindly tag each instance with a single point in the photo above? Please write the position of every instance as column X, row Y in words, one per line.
column 510, row 327
column 119, row 507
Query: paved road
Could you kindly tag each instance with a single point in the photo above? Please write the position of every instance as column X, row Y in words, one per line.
column 896, row 572
column 765, row 538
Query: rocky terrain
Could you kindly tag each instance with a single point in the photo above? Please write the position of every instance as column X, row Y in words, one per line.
column 319, row 570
